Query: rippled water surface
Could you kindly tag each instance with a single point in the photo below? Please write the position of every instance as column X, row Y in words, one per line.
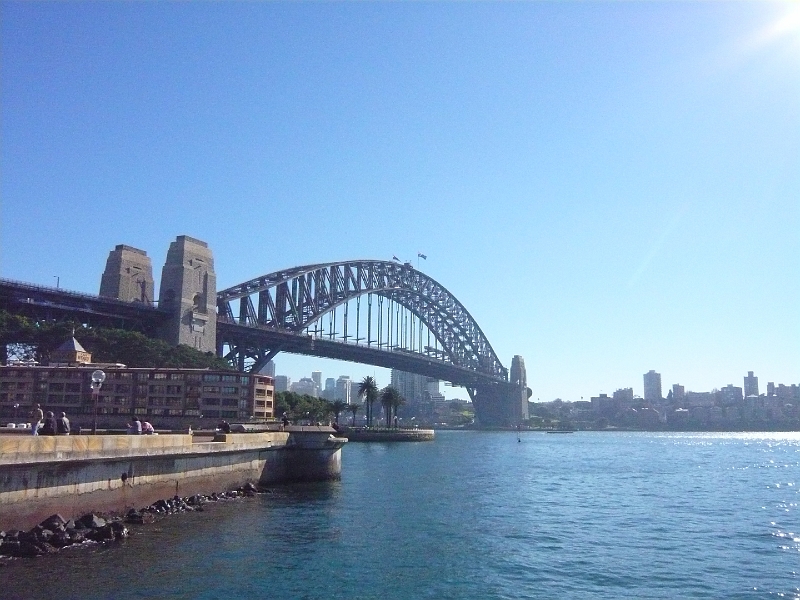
column 477, row 515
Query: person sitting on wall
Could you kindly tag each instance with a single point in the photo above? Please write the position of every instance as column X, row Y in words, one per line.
column 135, row 427
column 62, row 424
column 50, row 426
column 224, row 427
column 37, row 416
column 147, row 428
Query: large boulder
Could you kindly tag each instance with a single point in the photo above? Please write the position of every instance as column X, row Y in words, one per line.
column 90, row 521
column 54, row 523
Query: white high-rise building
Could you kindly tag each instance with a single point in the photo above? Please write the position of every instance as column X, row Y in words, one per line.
column 342, row 389
column 317, row 377
column 750, row 385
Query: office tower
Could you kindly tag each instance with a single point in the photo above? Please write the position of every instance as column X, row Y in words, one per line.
column 317, row 377
column 282, row 383
column 269, row 369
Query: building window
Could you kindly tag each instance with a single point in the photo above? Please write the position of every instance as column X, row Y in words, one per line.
column 208, row 377
column 159, row 375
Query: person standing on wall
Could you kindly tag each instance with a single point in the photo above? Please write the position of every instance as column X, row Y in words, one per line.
column 50, row 426
column 37, row 416
column 62, row 424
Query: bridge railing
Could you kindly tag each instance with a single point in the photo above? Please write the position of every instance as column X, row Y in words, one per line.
column 45, row 289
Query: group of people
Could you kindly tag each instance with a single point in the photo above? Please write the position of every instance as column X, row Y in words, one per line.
column 47, row 423
column 138, row 427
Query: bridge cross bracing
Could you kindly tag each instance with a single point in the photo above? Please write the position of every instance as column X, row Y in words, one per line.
column 395, row 316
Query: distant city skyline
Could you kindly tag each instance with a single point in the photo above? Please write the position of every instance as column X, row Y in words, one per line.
column 607, row 188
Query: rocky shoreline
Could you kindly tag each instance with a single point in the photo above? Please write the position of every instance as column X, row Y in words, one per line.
column 55, row 533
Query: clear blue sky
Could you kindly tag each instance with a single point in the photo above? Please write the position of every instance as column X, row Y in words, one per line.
column 607, row 187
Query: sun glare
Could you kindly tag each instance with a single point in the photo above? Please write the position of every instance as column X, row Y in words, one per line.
column 786, row 28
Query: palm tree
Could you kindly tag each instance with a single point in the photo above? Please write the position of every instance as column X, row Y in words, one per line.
column 368, row 391
column 397, row 402
column 337, row 406
column 390, row 398
column 354, row 408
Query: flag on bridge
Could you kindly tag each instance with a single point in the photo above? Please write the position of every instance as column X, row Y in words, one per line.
column 395, row 258
column 422, row 256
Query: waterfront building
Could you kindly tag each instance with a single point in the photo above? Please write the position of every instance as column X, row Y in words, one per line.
column 652, row 387
column 146, row 392
column 750, row 385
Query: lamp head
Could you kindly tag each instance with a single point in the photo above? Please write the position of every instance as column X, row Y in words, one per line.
column 98, row 376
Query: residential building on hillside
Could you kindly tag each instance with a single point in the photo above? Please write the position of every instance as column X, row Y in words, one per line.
column 652, row 386
column 750, row 385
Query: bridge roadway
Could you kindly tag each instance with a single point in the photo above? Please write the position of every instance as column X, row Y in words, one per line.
column 284, row 341
column 58, row 304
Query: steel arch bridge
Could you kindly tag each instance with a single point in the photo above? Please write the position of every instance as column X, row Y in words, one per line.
column 375, row 312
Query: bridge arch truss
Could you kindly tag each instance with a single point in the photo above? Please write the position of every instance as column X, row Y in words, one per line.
column 381, row 305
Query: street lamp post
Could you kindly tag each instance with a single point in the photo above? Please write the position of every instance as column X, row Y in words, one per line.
column 98, row 377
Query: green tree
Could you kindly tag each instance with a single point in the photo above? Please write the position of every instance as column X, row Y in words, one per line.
column 30, row 339
column 368, row 391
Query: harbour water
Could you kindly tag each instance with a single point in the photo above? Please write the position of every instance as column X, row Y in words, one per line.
column 477, row 515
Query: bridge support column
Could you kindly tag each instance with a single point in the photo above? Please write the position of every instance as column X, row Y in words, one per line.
column 189, row 291
column 503, row 404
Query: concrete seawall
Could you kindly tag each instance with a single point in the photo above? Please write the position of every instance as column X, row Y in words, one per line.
column 388, row 435
column 72, row 475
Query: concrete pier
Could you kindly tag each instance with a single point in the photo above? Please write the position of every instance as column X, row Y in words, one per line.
column 71, row 475
column 387, row 435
